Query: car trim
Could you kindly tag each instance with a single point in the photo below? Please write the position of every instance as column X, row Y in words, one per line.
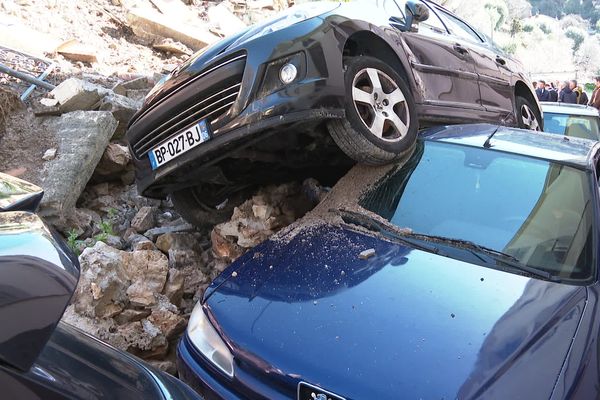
column 187, row 83
column 444, row 71
column 190, row 119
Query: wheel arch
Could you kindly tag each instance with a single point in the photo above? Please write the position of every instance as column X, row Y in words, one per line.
column 368, row 43
column 523, row 90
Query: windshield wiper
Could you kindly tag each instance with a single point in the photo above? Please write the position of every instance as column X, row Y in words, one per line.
column 416, row 240
column 372, row 224
column 496, row 255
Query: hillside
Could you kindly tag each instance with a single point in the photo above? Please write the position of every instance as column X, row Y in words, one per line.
column 554, row 39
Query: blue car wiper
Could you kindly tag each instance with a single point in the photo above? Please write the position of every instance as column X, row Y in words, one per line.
column 386, row 231
column 485, row 254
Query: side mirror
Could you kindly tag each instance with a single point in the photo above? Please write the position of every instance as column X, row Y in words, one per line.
column 416, row 11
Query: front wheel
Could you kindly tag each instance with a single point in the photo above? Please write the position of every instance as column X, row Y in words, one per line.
column 381, row 121
column 528, row 115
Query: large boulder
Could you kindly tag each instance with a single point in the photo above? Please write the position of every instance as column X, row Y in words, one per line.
column 81, row 138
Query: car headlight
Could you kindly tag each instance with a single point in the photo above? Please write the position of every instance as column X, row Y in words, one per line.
column 206, row 339
column 292, row 16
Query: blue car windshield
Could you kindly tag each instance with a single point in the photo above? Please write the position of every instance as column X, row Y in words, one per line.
column 537, row 211
column 572, row 125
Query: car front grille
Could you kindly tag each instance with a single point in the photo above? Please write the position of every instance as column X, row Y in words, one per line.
column 209, row 95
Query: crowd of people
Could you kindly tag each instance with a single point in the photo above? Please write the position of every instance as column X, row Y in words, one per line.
column 567, row 92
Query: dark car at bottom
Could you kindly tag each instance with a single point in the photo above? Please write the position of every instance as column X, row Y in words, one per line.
column 467, row 271
column 281, row 98
column 41, row 357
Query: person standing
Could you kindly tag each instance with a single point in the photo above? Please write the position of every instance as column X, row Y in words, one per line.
column 567, row 95
column 541, row 92
column 582, row 97
column 595, row 100
column 552, row 92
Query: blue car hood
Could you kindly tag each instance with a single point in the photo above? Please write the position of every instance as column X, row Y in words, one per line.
column 403, row 322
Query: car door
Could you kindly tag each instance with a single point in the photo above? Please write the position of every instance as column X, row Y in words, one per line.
column 444, row 68
column 494, row 75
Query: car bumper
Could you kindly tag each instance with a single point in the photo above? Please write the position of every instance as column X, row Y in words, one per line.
column 262, row 105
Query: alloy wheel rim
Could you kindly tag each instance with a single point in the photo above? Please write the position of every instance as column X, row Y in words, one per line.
column 380, row 104
column 529, row 119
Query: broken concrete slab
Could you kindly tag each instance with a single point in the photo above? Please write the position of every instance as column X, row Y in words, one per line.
column 122, row 108
column 74, row 50
column 169, row 45
column 81, row 137
column 152, row 25
column 222, row 18
column 75, row 94
column 154, row 232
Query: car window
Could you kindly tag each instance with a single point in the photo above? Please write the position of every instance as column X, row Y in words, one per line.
column 572, row 125
column 538, row 211
column 459, row 28
column 433, row 24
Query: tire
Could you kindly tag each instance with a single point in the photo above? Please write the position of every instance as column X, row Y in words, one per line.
column 528, row 115
column 201, row 208
column 381, row 120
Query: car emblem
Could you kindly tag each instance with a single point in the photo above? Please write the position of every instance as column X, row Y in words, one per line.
column 306, row 391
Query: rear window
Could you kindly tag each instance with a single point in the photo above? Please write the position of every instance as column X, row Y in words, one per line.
column 537, row 211
column 572, row 125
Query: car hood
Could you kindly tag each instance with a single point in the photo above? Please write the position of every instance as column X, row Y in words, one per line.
column 85, row 367
column 403, row 321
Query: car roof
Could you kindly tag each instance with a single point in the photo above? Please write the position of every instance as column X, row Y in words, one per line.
column 557, row 148
column 571, row 109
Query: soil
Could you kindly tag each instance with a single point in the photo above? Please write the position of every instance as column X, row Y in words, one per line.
column 23, row 142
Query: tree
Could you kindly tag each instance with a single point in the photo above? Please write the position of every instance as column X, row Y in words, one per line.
column 577, row 36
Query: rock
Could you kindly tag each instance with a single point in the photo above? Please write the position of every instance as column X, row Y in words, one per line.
column 137, row 95
column 180, row 258
column 114, row 160
column 75, row 94
column 176, row 241
column 223, row 247
column 152, row 25
column 166, row 366
column 130, row 315
column 366, row 254
column 114, row 241
column 82, row 138
column 144, row 245
column 154, row 232
column 122, row 108
column 193, row 278
column 169, row 323
column 82, row 221
column 174, row 286
column 144, row 219
column 262, row 211
column 49, row 154
column 224, row 20
column 103, row 282
column 147, row 270
column 171, row 46
column 49, row 102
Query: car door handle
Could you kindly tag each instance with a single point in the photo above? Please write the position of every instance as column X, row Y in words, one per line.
column 459, row 49
column 500, row 60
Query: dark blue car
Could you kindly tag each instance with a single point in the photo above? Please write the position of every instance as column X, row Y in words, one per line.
column 467, row 272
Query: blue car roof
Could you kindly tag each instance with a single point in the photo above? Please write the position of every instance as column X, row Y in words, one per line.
column 551, row 147
column 569, row 109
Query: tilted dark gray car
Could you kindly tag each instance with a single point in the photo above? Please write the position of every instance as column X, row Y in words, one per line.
column 40, row 357
column 278, row 100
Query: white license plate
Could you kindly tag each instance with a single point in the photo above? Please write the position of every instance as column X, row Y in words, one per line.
column 178, row 144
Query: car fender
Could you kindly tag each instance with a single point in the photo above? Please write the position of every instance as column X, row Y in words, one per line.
column 390, row 36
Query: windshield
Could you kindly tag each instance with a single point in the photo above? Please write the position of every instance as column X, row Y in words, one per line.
column 537, row 211
column 572, row 125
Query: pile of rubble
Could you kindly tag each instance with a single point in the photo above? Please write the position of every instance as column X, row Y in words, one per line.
column 138, row 286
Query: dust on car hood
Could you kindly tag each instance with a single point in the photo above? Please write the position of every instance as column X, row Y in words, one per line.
column 403, row 321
